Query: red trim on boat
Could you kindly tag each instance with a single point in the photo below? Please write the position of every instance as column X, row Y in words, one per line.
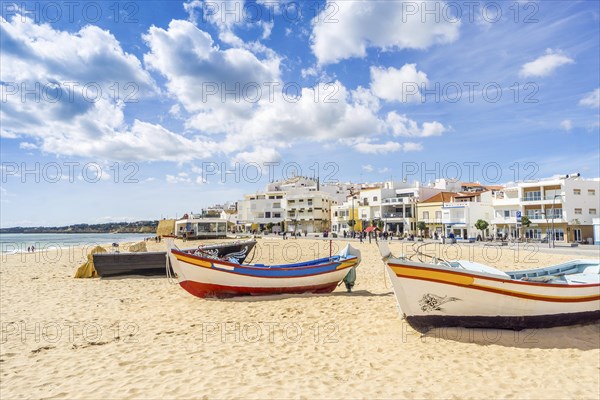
column 540, row 297
column 529, row 283
column 205, row 290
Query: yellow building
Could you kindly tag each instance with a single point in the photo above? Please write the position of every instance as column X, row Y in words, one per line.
column 430, row 212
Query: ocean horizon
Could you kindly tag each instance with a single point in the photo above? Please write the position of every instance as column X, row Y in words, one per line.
column 19, row 242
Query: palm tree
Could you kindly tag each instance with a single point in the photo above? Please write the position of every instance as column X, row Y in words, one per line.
column 481, row 225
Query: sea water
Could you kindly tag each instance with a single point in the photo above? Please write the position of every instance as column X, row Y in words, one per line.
column 19, row 242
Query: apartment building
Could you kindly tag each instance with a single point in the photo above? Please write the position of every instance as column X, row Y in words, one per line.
column 299, row 204
column 257, row 211
column 565, row 205
column 392, row 205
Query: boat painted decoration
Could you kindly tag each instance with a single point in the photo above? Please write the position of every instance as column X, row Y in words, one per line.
column 467, row 294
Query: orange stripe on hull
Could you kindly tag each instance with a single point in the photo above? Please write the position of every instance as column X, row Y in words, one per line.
column 450, row 278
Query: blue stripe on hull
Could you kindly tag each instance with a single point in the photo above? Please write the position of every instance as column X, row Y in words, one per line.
column 283, row 273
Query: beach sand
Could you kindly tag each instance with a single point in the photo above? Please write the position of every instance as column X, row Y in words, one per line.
column 139, row 337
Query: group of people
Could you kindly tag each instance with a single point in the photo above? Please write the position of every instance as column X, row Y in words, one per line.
column 157, row 239
column 295, row 235
column 30, row 249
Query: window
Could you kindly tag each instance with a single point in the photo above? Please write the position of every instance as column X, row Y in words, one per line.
column 533, row 233
column 531, row 196
column 506, row 213
column 276, row 215
column 374, row 198
column 276, row 205
column 425, row 214
column 438, row 214
column 534, row 214
column 591, row 192
column 559, row 234
column 577, row 191
column 593, row 211
column 578, row 211
column 557, row 213
column 310, row 202
column 577, row 235
column 335, row 214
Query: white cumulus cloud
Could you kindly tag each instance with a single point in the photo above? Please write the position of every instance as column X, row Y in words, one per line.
column 345, row 29
column 401, row 125
column 545, row 65
column 403, row 84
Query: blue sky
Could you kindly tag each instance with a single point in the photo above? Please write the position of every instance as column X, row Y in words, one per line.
column 116, row 111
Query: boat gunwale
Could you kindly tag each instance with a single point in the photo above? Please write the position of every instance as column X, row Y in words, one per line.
column 266, row 268
column 268, row 276
column 483, row 275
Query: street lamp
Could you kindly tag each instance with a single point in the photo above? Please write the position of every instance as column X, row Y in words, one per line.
column 352, row 193
column 546, row 216
column 553, row 217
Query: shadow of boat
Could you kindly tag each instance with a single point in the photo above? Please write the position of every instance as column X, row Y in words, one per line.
column 278, row 297
column 581, row 337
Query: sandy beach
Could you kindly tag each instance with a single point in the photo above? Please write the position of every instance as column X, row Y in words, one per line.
column 137, row 337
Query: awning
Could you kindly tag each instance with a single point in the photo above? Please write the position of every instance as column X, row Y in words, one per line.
column 371, row 229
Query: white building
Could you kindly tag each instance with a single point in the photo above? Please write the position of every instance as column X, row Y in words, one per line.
column 566, row 205
column 460, row 215
column 201, row 227
column 392, row 205
column 298, row 204
column 258, row 210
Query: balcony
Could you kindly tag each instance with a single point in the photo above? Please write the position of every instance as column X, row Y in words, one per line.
column 453, row 221
column 395, row 215
column 557, row 199
column 397, row 200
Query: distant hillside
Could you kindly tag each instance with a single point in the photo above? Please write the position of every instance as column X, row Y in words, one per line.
column 111, row 227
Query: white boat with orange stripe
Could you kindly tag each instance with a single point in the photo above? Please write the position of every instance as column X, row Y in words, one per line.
column 467, row 294
column 211, row 277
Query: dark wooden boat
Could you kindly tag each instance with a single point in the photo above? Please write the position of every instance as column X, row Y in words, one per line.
column 153, row 263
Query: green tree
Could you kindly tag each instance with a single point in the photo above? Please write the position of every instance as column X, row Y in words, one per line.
column 380, row 224
column 421, row 226
column 526, row 223
column 481, row 225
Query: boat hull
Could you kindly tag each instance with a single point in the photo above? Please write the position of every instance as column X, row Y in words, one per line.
column 153, row 263
column 424, row 323
column 208, row 290
column 211, row 278
column 430, row 297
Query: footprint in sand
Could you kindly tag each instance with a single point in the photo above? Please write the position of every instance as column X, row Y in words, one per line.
column 42, row 349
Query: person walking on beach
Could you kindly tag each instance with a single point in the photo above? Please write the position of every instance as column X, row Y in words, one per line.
column 28, row 249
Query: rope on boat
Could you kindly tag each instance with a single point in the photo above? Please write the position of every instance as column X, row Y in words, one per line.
column 253, row 253
column 170, row 275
